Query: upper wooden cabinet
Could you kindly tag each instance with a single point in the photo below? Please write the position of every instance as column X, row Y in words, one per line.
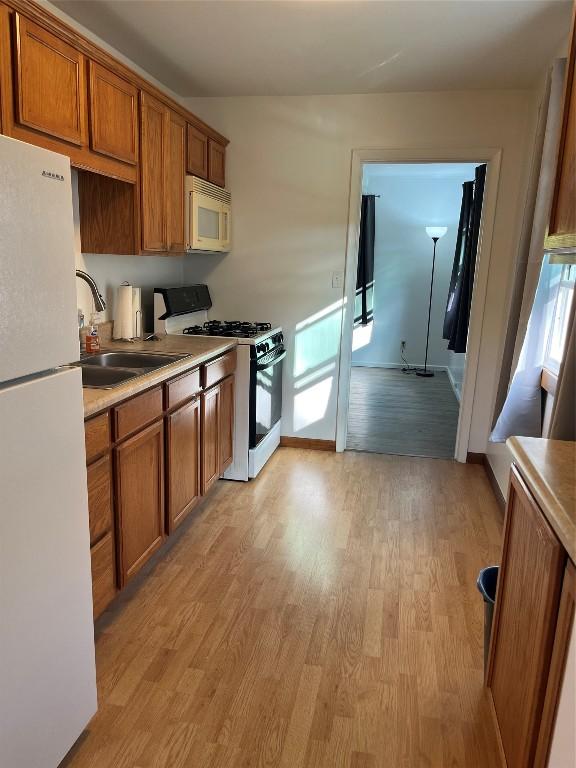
column 176, row 168
column 529, row 585
column 51, row 83
column 197, row 152
column 562, row 222
column 113, row 115
column 154, row 143
column 216, row 163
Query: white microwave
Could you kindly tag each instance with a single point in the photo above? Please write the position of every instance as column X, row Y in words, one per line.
column 208, row 216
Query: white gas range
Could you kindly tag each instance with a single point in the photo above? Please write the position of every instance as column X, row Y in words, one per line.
column 258, row 399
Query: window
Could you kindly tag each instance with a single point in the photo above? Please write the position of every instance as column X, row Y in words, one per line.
column 558, row 330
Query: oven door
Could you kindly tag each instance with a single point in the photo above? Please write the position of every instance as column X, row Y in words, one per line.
column 265, row 394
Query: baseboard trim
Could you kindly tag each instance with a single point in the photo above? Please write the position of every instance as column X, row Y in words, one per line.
column 307, row 442
column 482, row 458
column 452, row 380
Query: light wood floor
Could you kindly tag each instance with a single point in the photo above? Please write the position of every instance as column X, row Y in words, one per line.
column 394, row 412
column 324, row 615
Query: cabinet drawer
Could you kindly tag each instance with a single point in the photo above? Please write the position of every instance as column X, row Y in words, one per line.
column 218, row 369
column 97, row 436
column 181, row 389
column 100, row 498
column 137, row 413
column 103, row 574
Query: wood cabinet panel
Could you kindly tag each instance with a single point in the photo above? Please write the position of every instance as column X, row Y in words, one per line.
column 562, row 223
column 103, row 574
column 218, row 369
column 524, row 623
column 197, row 152
column 564, row 628
column 140, row 498
column 210, row 418
column 137, row 412
column 97, row 436
column 181, row 389
column 154, row 139
column 226, row 422
column 175, row 183
column 50, row 84
column 183, row 462
column 216, row 163
column 100, row 498
column 113, row 115
column 109, row 216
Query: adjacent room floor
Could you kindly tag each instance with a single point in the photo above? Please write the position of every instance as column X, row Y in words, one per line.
column 324, row 615
column 398, row 413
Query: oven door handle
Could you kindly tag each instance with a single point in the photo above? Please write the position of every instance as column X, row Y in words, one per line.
column 264, row 364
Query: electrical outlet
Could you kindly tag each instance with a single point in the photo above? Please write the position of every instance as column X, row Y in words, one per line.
column 337, row 279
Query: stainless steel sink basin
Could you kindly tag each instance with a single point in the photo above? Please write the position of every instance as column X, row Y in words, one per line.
column 147, row 360
column 109, row 369
column 105, row 378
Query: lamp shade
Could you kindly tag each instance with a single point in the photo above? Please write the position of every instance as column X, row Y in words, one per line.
column 436, row 231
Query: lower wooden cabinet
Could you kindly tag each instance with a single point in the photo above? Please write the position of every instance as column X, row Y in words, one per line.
column 182, row 461
column 140, row 498
column 529, row 586
column 103, row 559
column 210, row 415
column 150, row 460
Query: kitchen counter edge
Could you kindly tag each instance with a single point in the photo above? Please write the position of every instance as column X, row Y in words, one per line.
column 98, row 400
column 549, row 468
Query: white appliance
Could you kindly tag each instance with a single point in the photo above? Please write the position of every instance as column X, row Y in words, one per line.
column 258, row 381
column 47, row 666
column 208, row 216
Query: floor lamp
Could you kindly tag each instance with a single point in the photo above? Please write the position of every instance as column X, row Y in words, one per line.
column 435, row 233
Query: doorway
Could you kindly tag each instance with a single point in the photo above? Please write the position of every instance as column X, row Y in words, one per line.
column 405, row 386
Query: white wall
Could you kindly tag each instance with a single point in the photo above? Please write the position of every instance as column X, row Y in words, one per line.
column 409, row 198
column 455, row 369
column 289, row 173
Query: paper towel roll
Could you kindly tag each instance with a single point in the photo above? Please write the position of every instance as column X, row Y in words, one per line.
column 137, row 312
column 123, row 313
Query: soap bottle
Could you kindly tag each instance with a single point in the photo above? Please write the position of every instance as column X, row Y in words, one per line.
column 92, row 338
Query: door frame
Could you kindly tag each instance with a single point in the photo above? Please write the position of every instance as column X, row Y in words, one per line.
column 361, row 157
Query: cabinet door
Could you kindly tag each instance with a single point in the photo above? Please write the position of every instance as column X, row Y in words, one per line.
column 216, row 163
column 197, row 153
column 140, row 498
column 183, row 461
column 226, row 422
column 176, row 174
column 527, row 599
column 154, row 138
column 103, row 574
column 562, row 224
column 210, row 419
column 113, row 115
column 100, row 498
column 51, row 83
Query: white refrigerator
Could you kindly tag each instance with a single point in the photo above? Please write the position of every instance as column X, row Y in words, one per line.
column 47, row 666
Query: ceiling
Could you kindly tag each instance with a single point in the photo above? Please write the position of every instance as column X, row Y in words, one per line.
column 298, row 47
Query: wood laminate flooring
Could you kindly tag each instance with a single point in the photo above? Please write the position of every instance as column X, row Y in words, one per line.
column 324, row 615
column 404, row 414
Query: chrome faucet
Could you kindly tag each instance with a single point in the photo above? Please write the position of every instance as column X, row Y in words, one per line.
column 99, row 303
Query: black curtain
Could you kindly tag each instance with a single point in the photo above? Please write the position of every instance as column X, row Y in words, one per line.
column 365, row 273
column 459, row 301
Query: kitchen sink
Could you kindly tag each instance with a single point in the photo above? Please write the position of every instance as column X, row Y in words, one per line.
column 105, row 378
column 147, row 360
column 109, row 369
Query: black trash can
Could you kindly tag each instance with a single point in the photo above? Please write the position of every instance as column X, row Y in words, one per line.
column 487, row 580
